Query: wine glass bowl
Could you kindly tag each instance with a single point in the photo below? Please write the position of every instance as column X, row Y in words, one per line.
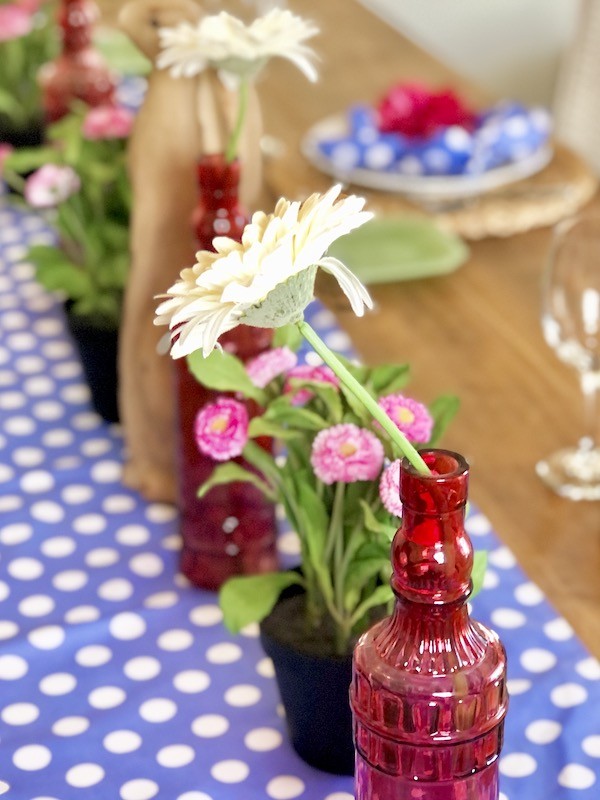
column 571, row 327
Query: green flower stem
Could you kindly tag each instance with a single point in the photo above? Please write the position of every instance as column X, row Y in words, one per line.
column 369, row 402
column 234, row 139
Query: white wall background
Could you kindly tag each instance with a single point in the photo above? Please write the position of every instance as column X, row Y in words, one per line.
column 510, row 47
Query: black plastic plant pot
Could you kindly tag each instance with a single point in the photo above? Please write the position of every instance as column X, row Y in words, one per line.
column 97, row 344
column 314, row 691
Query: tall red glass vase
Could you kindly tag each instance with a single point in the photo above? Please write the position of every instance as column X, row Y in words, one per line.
column 232, row 529
column 79, row 72
column 428, row 691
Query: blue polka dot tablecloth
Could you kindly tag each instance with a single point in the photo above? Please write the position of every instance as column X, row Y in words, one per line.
column 118, row 679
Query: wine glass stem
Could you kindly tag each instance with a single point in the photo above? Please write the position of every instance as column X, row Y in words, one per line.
column 590, row 384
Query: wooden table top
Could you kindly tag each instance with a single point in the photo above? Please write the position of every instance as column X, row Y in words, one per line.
column 475, row 332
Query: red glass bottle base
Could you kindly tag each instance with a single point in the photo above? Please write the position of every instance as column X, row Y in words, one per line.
column 209, row 570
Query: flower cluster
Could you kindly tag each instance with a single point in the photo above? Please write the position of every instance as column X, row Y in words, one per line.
column 80, row 180
column 417, row 111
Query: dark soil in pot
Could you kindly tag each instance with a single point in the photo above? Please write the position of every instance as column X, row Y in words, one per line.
column 313, row 685
column 31, row 134
column 97, row 343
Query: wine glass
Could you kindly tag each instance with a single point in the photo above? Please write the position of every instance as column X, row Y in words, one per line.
column 571, row 326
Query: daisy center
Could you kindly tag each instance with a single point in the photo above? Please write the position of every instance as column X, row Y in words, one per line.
column 347, row 449
column 218, row 425
column 405, row 416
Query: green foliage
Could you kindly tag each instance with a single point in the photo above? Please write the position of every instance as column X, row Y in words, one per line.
column 250, row 598
column 223, row 372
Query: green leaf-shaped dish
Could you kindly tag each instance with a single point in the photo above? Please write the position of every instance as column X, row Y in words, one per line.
column 388, row 250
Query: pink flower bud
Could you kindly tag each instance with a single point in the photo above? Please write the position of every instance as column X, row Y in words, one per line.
column 221, row 429
column 409, row 416
column 346, row 453
column 107, row 122
column 389, row 489
column 267, row 366
column 50, row 185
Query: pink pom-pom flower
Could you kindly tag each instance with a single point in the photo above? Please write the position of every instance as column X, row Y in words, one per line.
column 51, row 185
column 15, row 22
column 346, row 453
column 410, row 416
column 267, row 366
column 389, row 488
column 221, row 429
column 305, row 372
column 107, row 122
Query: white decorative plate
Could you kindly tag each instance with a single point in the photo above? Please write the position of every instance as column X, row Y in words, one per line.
column 424, row 188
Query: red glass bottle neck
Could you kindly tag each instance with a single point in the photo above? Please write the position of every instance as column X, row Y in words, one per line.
column 432, row 556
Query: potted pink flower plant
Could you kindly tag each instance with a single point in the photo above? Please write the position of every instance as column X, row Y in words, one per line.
column 344, row 429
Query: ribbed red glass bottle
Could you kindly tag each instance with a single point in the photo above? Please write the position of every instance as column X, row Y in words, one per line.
column 232, row 530
column 79, row 72
column 428, row 690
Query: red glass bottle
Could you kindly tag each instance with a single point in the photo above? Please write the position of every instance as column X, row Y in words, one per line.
column 428, row 689
column 232, row 529
column 79, row 72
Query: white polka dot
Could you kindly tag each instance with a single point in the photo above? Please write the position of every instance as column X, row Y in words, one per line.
column 181, row 581
column 261, row 740
column 139, row 789
column 567, row 695
column 37, row 481
column 558, row 630
column 265, row 668
column 172, row 542
column 162, row 600
column 191, row 681
column 159, row 709
column 28, row 456
column 543, row 731
column 502, row 558
column 122, row 741
column 127, row 626
column 14, row 319
column 32, row 757
column 58, row 547
column 224, row 653
column 313, row 359
column 146, row 565
column 175, row 640
column 132, row 535
column 76, row 494
column 71, row 580
column 106, row 472
column 48, row 326
column 194, row 796
column 84, row 775
column 10, row 401
column 209, row 726
column 204, row 616
column 39, row 385
column 161, row 512
column 528, row 594
column 285, row 787
column 591, row 746
column 517, row 686
column 102, row 557
column 10, row 502
column 68, row 369
column 115, row 589
column 36, row 605
column 20, row 714
column 118, row 504
column 518, row 765
column 576, row 776
column 537, row 659
column 142, row 668
column 76, row 394
column 48, row 410
column 231, row 771
column 57, row 684
column 288, row 543
column 82, row 614
column 508, row 618
column 47, row 511
column 61, row 437
column 242, row 695
column 47, row 638
column 106, row 697
column 70, row 726
column 89, row 524
column 6, row 473
column 589, row 668
column 251, row 631
column 4, row 591
column 341, row 796
column 25, row 569
column 28, row 365
column 8, row 629
column 85, row 421
column 16, row 534
column 12, row 667
column 175, row 755
column 96, row 447
column 93, row 655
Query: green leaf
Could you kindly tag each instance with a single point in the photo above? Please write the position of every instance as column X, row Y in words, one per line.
column 377, row 526
column 288, row 336
column 443, row 409
column 259, row 426
column 263, row 461
column 315, row 520
column 389, row 378
column 329, row 395
column 360, row 572
column 478, row 573
column 250, row 598
column 56, row 273
column 381, row 596
column 10, row 106
column 232, row 472
column 26, row 159
column 224, row 373
column 284, row 413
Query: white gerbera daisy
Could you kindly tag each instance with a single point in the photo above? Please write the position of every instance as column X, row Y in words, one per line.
column 224, row 42
column 268, row 279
